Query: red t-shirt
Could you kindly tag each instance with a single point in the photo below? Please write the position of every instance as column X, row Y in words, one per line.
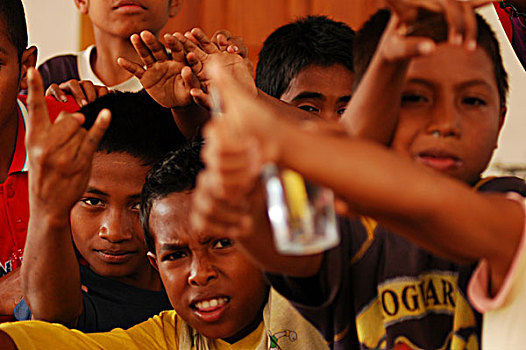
column 14, row 203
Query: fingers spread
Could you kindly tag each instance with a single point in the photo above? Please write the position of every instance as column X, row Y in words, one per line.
column 154, row 45
column 175, row 47
column 203, row 41
column 131, row 67
column 142, row 50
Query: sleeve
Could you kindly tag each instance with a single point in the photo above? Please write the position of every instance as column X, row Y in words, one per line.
column 59, row 69
column 159, row 332
column 479, row 284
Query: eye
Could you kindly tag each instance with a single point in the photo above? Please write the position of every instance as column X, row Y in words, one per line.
column 93, row 202
column 136, row 206
column 413, row 98
column 341, row 111
column 223, row 243
column 174, row 255
column 474, row 101
column 309, row 108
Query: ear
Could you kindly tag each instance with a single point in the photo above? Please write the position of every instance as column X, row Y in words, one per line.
column 175, row 7
column 153, row 260
column 29, row 59
column 82, row 5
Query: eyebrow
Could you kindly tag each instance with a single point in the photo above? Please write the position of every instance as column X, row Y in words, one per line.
column 93, row 190
column 172, row 246
column 308, row 94
column 316, row 95
column 475, row 82
column 466, row 84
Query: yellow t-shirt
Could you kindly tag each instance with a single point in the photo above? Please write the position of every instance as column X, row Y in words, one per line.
column 159, row 333
column 283, row 328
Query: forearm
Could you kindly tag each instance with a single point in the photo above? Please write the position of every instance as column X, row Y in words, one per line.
column 10, row 292
column 282, row 108
column 50, row 272
column 368, row 117
column 441, row 214
column 190, row 119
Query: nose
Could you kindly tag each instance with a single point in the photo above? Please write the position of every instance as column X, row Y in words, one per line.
column 329, row 115
column 117, row 226
column 445, row 120
column 202, row 271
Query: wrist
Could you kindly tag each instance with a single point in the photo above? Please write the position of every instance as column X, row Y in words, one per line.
column 49, row 220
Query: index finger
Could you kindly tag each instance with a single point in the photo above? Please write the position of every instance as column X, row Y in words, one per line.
column 36, row 103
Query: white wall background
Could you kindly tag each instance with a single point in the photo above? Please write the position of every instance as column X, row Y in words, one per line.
column 53, row 26
column 510, row 157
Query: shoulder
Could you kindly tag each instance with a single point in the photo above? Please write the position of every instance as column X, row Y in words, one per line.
column 55, row 107
column 502, row 184
column 59, row 69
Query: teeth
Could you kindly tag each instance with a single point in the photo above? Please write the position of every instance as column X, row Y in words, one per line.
column 206, row 304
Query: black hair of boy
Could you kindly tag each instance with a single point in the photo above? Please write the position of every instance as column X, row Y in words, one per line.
column 139, row 126
column 313, row 40
column 13, row 18
column 433, row 26
column 174, row 174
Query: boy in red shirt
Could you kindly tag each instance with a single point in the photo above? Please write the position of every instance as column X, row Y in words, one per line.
column 16, row 58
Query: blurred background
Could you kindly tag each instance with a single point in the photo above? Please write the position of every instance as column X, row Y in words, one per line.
column 56, row 25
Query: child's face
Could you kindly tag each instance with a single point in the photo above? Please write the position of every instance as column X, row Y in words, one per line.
column 450, row 116
column 123, row 18
column 9, row 78
column 210, row 283
column 105, row 222
column 323, row 91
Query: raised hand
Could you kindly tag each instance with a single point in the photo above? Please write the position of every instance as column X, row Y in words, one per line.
column 459, row 16
column 60, row 154
column 202, row 52
column 163, row 76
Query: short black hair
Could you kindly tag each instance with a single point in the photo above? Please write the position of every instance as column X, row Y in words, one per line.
column 313, row 40
column 139, row 126
column 13, row 18
column 174, row 174
column 430, row 25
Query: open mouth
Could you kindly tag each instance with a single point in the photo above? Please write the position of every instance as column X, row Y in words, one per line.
column 210, row 310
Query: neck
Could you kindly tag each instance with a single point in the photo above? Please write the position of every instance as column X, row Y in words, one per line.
column 252, row 326
column 8, row 131
column 147, row 278
column 104, row 60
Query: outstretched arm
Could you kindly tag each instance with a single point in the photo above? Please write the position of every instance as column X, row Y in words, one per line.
column 60, row 156
column 440, row 214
